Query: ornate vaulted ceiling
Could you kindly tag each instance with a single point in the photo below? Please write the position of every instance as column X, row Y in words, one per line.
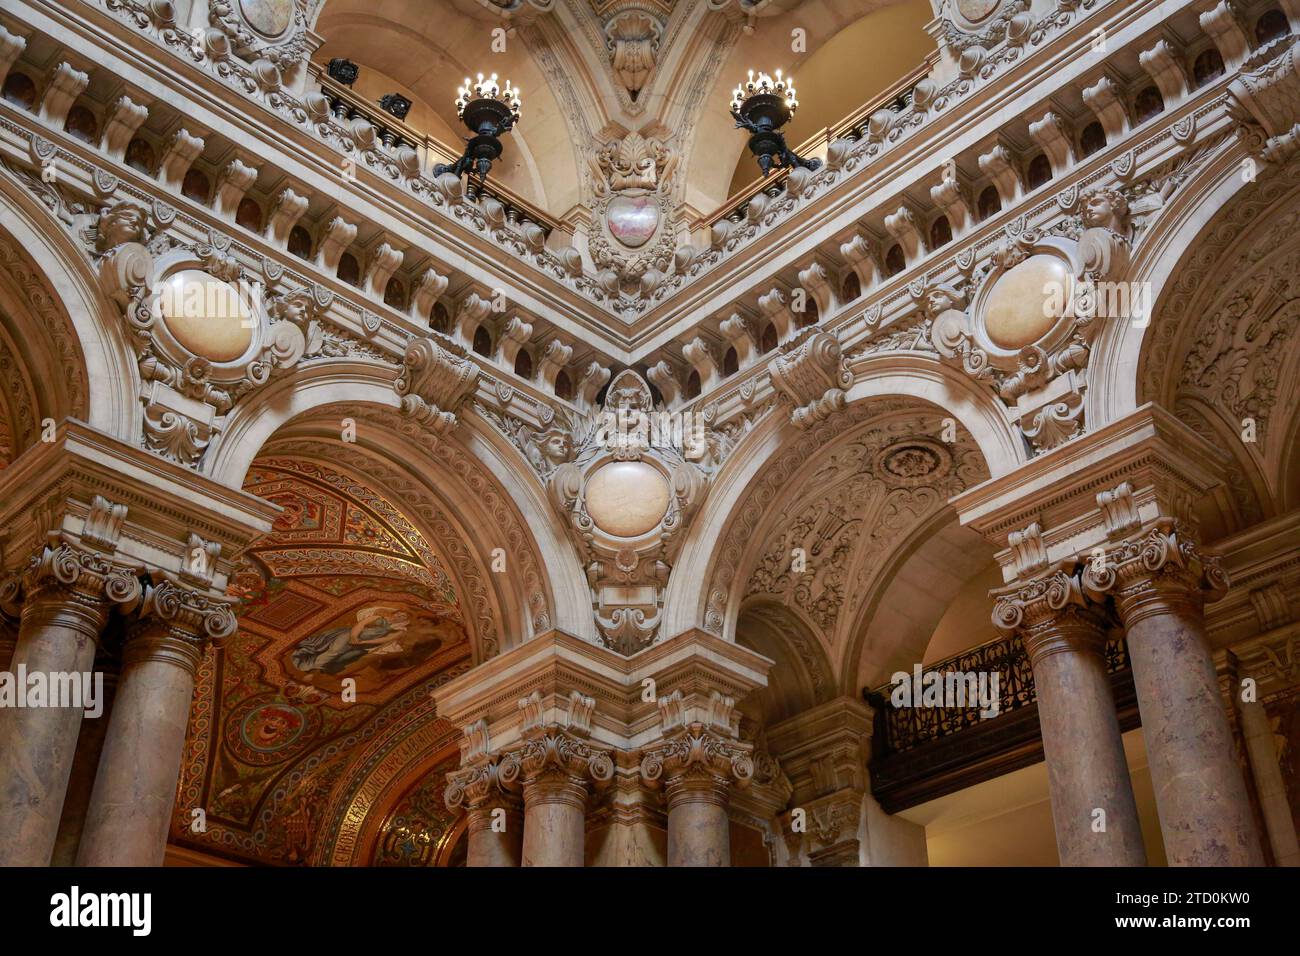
column 347, row 617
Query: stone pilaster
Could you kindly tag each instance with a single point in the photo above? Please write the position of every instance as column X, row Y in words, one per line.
column 69, row 589
column 130, row 806
column 1064, row 634
column 1160, row 579
column 556, row 768
column 698, row 767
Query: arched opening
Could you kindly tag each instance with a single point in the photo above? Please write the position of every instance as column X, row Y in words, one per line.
column 990, row 203
column 1092, row 139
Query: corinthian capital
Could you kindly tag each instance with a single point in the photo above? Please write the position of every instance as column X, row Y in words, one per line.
column 482, row 782
column 1051, row 612
column 82, row 572
column 1159, row 569
column 556, row 754
column 696, row 757
column 188, row 612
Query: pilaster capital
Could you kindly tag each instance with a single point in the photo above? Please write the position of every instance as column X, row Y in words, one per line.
column 1159, row 570
column 1052, row 613
column 72, row 584
column 696, row 763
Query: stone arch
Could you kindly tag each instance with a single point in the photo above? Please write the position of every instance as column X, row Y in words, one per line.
column 487, row 482
column 801, row 677
column 1202, row 211
column 60, row 328
column 772, row 469
column 1221, row 345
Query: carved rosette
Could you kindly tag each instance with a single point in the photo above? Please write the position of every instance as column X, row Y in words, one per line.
column 698, row 765
column 1159, row 570
column 1052, row 613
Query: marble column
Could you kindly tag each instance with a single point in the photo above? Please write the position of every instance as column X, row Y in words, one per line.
column 69, row 593
column 11, row 605
column 556, row 767
column 697, row 768
column 131, row 804
column 1064, row 635
column 495, row 828
column 1159, row 578
column 85, row 764
column 1269, row 785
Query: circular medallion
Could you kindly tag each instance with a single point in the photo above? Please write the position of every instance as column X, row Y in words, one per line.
column 1026, row 302
column 208, row 317
column 627, row 498
column 268, row 17
column 976, row 10
column 632, row 220
column 266, row 730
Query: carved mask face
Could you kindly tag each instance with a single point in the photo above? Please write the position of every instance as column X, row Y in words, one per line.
column 121, row 223
column 556, row 447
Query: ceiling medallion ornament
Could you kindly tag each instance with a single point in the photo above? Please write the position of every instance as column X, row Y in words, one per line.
column 912, row 463
column 632, row 178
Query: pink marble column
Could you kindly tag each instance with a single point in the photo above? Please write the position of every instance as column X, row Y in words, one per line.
column 556, row 768
column 69, row 593
column 1064, row 636
column 130, row 807
column 1158, row 578
column 493, row 845
column 555, row 821
column 698, row 767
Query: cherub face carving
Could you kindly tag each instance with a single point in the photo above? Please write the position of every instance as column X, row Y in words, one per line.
column 118, row 224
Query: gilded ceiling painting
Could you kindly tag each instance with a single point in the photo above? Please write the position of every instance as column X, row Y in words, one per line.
column 347, row 616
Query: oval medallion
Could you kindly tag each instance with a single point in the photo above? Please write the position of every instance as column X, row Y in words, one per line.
column 632, row 220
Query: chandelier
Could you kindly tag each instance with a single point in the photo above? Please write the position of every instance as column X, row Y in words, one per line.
column 761, row 106
column 487, row 111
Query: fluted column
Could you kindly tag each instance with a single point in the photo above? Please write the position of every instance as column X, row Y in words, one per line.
column 556, row 768
column 69, row 591
column 131, row 804
column 1064, row 635
column 698, row 767
column 1159, row 578
column 495, row 827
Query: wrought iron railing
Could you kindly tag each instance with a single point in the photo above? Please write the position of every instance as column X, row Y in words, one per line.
column 908, row 727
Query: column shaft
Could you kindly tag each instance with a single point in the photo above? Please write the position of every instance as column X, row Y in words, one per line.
column 698, row 828
column 492, row 847
column 81, row 782
column 1086, row 769
column 37, row 745
column 135, row 787
column 554, row 823
column 1204, row 810
column 1268, row 781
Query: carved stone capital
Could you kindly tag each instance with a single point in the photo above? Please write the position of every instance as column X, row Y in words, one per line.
column 1052, row 613
column 1159, row 570
column 697, row 764
column 555, row 766
column 483, row 784
column 72, row 585
column 176, row 622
